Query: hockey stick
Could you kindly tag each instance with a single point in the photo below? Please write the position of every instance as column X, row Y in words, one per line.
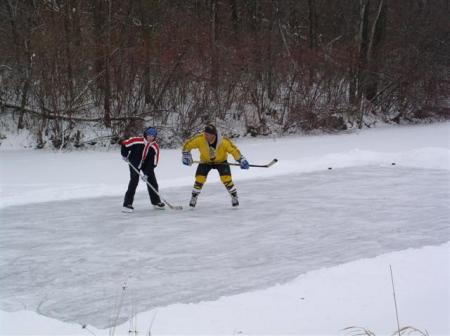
column 270, row 164
column 173, row 207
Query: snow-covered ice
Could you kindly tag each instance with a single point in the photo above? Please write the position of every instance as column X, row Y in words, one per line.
column 66, row 250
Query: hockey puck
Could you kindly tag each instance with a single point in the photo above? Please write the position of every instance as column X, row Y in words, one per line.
column 393, row 163
column 329, row 168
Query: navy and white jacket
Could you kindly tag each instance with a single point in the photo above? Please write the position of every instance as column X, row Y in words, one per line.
column 142, row 154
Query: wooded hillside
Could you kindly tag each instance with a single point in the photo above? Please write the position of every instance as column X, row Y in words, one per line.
column 265, row 65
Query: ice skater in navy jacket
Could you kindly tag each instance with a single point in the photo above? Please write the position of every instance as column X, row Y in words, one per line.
column 143, row 154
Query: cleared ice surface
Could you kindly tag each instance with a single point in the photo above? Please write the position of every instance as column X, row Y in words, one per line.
column 68, row 260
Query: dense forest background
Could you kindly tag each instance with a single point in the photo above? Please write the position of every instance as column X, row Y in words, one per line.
column 250, row 66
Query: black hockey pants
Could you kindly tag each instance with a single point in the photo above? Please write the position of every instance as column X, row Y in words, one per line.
column 132, row 185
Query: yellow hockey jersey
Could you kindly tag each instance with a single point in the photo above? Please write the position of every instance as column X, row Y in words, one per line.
column 210, row 154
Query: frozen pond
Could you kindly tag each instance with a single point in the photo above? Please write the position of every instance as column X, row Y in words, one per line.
column 69, row 259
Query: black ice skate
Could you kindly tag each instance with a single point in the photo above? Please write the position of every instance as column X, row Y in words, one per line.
column 193, row 201
column 159, row 206
column 234, row 200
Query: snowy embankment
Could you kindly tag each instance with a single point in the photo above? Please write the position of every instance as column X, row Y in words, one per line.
column 321, row 301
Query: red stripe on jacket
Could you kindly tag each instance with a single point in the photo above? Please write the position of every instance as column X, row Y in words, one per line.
column 133, row 141
column 155, row 147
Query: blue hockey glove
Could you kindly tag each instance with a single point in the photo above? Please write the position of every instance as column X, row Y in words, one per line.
column 187, row 158
column 243, row 163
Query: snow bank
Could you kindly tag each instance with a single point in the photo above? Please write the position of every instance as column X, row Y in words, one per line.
column 321, row 302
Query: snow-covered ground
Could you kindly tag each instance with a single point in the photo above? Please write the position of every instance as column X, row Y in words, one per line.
column 308, row 252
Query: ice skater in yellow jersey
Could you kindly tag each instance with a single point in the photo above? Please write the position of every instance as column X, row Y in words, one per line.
column 214, row 151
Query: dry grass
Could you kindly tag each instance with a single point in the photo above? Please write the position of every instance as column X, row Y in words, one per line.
column 360, row 331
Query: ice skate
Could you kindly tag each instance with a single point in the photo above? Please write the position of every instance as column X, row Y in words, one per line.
column 193, row 201
column 234, row 201
column 159, row 206
column 127, row 209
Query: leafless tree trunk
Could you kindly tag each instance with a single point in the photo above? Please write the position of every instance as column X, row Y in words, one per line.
column 234, row 17
column 107, row 82
column 273, row 10
column 363, row 45
column 23, row 53
column 68, row 49
column 214, row 45
column 312, row 26
column 102, row 31
column 373, row 54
